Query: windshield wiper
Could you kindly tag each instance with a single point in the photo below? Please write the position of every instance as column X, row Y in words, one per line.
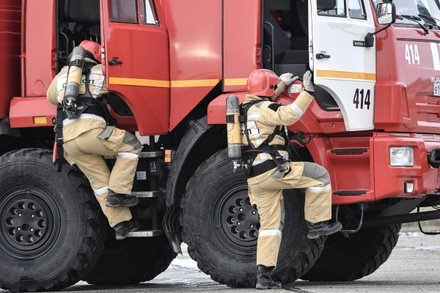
column 429, row 19
column 414, row 18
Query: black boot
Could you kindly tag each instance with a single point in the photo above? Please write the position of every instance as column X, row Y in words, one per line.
column 120, row 200
column 122, row 229
column 264, row 280
column 316, row 230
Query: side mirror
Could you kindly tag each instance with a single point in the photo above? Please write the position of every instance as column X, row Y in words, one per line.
column 386, row 13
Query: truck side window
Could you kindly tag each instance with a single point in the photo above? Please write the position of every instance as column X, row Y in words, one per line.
column 332, row 8
column 149, row 13
column 356, row 9
column 123, row 11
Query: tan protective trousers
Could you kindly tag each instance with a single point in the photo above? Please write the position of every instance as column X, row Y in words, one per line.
column 266, row 193
column 86, row 152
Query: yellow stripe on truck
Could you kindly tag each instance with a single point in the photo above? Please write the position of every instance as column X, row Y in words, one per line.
column 194, row 83
column 162, row 83
column 138, row 82
column 228, row 82
column 346, row 75
column 235, row 81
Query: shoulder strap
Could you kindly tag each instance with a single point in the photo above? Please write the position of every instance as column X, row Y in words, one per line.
column 86, row 72
column 252, row 151
column 88, row 100
column 244, row 108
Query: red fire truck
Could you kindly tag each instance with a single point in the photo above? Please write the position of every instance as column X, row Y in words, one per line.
column 170, row 65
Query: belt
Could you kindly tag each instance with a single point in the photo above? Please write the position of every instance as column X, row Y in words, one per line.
column 262, row 168
column 95, row 110
column 90, row 110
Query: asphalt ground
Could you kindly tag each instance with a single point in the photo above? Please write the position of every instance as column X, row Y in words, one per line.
column 414, row 266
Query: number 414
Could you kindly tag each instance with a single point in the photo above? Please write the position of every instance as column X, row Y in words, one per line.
column 362, row 99
column 412, row 54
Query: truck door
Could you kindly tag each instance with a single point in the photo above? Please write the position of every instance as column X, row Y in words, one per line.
column 341, row 62
column 136, row 60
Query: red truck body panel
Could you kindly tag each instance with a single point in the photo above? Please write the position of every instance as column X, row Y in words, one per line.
column 190, row 80
column 28, row 104
column 169, row 68
column 10, row 24
column 406, row 86
column 142, row 79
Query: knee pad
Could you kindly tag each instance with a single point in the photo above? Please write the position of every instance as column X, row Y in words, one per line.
column 317, row 172
column 283, row 214
column 132, row 140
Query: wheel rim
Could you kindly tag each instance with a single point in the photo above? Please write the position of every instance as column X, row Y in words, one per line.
column 238, row 220
column 30, row 223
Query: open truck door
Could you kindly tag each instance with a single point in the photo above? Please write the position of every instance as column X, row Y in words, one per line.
column 136, row 62
column 342, row 62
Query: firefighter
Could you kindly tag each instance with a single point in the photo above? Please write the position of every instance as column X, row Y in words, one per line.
column 88, row 136
column 270, row 171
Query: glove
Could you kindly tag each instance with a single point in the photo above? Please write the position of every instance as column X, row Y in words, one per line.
column 307, row 80
column 288, row 78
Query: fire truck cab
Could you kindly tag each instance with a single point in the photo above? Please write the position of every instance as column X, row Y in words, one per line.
column 170, row 65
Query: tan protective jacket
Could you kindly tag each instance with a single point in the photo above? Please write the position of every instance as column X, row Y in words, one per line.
column 72, row 128
column 263, row 117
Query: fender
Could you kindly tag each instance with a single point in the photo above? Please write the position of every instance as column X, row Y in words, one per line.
column 192, row 136
column 5, row 128
column 217, row 107
column 200, row 141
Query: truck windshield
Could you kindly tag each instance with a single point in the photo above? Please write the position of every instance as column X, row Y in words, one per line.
column 412, row 12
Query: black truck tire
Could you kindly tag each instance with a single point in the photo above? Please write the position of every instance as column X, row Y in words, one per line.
column 348, row 259
column 220, row 227
column 50, row 223
column 131, row 261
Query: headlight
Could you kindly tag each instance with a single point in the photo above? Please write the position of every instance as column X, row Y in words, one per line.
column 401, row 157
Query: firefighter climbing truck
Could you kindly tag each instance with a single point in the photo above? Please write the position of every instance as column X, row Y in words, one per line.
column 170, row 66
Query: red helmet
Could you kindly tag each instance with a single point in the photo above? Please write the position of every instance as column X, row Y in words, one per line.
column 94, row 50
column 262, row 82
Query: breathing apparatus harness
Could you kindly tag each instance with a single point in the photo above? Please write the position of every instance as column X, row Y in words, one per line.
column 250, row 152
column 74, row 104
